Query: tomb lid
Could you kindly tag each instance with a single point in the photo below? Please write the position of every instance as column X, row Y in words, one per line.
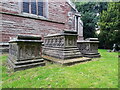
column 63, row 33
column 86, row 41
column 70, row 31
column 28, row 37
column 91, row 39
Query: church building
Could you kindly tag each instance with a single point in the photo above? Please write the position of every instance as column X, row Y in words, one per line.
column 37, row 17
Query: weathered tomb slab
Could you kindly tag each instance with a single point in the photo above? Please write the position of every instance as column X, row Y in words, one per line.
column 89, row 47
column 25, row 52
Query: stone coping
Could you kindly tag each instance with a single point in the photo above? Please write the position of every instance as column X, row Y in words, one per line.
column 69, row 31
column 85, row 41
column 64, row 33
column 71, row 4
column 3, row 43
column 92, row 39
column 33, row 41
column 28, row 37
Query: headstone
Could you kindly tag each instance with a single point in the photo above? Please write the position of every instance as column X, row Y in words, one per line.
column 114, row 48
column 89, row 47
column 61, row 47
column 25, row 52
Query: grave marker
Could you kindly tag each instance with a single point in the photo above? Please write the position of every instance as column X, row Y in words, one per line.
column 25, row 52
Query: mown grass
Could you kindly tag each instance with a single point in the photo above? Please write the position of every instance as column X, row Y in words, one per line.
column 101, row 73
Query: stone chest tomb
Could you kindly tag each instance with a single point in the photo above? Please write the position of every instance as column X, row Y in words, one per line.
column 89, row 47
column 62, row 47
column 25, row 52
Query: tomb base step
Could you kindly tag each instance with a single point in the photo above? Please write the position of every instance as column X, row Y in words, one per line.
column 95, row 55
column 65, row 57
column 23, row 65
column 66, row 62
column 22, row 62
column 64, row 53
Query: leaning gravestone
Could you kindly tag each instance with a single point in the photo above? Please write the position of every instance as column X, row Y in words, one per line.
column 25, row 52
column 89, row 47
column 62, row 48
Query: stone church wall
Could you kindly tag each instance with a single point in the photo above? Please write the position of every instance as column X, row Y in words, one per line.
column 16, row 22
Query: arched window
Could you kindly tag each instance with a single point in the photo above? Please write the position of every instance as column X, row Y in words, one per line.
column 33, row 7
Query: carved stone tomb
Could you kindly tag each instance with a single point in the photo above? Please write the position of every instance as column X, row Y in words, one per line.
column 62, row 48
column 89, row 47
column 25, row 52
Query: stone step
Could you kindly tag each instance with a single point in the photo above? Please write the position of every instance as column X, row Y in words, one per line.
column 71, row 51
column 69, row 57
column 60, row 49
column 91, row 53
column 68, row 61
column 28, row 61
column 65, row 56
column 25, row 66
column 68, row 54
column 92, row 56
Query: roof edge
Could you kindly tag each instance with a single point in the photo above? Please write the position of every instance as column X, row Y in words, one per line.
column 72, row 5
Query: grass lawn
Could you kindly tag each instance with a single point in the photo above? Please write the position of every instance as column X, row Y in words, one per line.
column 102, row 73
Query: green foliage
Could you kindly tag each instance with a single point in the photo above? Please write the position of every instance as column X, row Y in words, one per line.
column 109, row 21
column 89, row 11
column 110, row 25
column 99, row 73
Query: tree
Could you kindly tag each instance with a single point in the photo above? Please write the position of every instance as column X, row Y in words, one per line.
column 110, row 25
column 89, row 12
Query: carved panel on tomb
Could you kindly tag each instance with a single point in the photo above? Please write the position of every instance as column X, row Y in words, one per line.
column 27, row 51
column 13, row 49
column 57, row 41
column 88, row 46
column 70, row 41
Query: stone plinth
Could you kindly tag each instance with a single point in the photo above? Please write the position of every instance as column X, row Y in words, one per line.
column 25, row 52
column 89, row 47
column 62, row 46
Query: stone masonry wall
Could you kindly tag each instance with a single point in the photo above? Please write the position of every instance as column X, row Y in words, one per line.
column 58, row 11
column 13, row 25
column 15, row 22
